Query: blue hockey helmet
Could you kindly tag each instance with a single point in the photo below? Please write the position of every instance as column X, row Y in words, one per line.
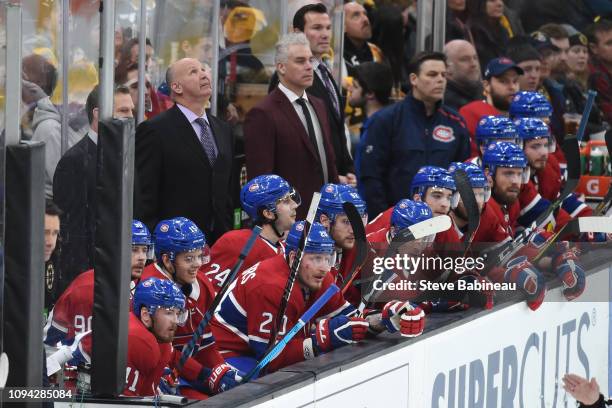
column 505, row 154
column 408, row 212
column 140, row 234
column 154, row 293
column 532, row 128
column 177, row 235
column 351, row 195
column 330, row 203
column 318, row 240
column 263, row 192
column 475, row 175
column 494, row 128
column 431, row 176
column 529, row 104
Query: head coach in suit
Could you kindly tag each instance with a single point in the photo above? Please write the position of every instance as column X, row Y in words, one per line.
column 184, row 157
column 287, row 133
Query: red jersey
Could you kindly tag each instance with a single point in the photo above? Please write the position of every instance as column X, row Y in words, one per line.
column 198, row 300
column 146, row 360
column 382, row 220
column 224, row 254
column 472, row 112
column 248, row 311
column 72, row 312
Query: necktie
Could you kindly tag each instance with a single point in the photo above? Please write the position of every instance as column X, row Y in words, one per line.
column 310, row 126
column 207, row 141
column 330, row 87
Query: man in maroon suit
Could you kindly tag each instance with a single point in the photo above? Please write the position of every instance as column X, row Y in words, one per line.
column 288, row 132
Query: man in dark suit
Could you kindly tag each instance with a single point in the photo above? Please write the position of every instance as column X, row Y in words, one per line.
column 74, row 188
column 314, row 21
column 287, row 133
column 184, row 157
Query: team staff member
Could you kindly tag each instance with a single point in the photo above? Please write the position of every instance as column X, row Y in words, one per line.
column 416, row 132
column 287, row 133
column 185, row 149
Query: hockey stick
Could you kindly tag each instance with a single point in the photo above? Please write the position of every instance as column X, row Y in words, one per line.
column 577, row 226
column 464, row 187
column 4, row 369
column 306, row 317
column 584, row 120
column 422, row 229
column 295, row 265
column 604, row 205
column 189, row 347
column 361, row 244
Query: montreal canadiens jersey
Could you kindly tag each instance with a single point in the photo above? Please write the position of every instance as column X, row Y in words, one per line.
column 198, row 300
column 72, row 312
column 248, row 311
column 224, row 254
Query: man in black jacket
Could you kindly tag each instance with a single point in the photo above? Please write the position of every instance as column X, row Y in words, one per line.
column 464, row 83
column 74, row 188
column 313, row 20
column 184, row 157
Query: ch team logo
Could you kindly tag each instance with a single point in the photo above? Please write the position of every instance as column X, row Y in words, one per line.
column 329, row 189
column 483, row 120
column 403, row 205
column 299, row 227
column 253, row 187
column 164, row 228
column 443, row 134
column 147, row 283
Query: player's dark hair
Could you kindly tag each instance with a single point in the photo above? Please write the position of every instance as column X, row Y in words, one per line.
column 601, row 26
column 92, row 103
column 299, row 19
column 376, row 78
column 51, row 208
column 414, row 66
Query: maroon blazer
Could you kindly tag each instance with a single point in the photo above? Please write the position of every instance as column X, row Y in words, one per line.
column 276, row 142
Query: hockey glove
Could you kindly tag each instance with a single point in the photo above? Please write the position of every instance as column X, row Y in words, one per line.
column 478, row 298
column 65, row 353
column 569, row 271
column 339, row 331
column 531, row 281
column 409, row 319
column 443, row 306
column 221, row 378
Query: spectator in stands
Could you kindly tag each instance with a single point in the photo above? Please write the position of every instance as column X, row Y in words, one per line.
column 185, row 151
column 38, row 80
column 357, row 34
column 405, row 136
column 287, row 133
column 464, row 82
column 491, row 27
column 52, row 230
column 129, row 54
column 599, row 35
column 388, row 35
column 371, row 91
column 456, row 21
column 74, row 190
column 501, row 82
column 559, row 38
column 47, row 127
column 578, row 58
column 129, row 79
column 530, row 61
column 313, row 20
